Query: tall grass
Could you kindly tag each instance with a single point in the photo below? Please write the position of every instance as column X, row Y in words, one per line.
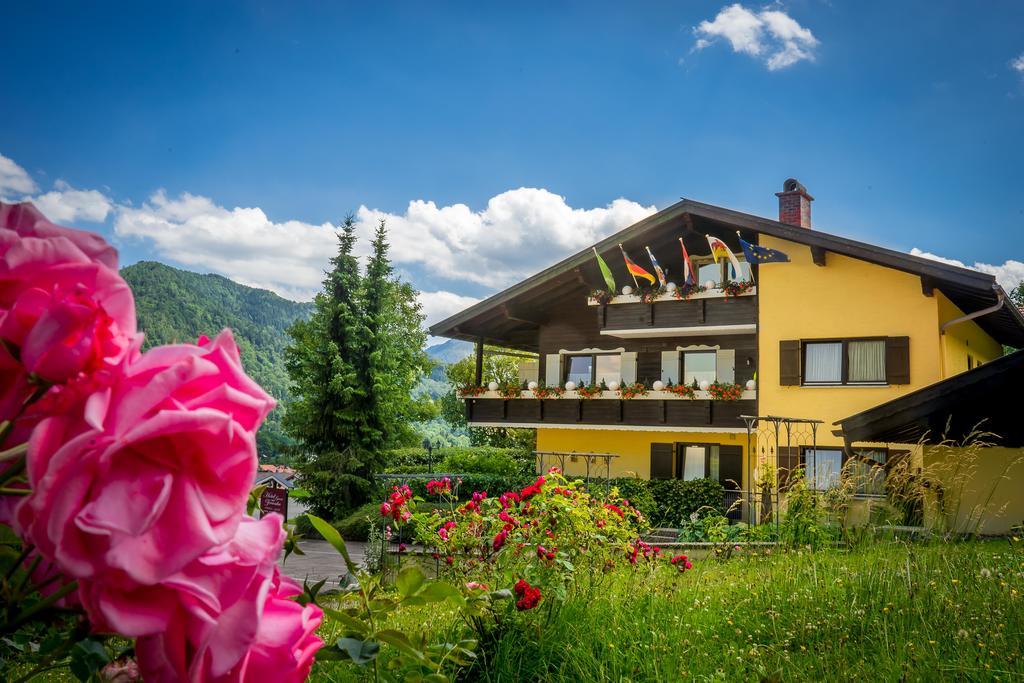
column 882, row 612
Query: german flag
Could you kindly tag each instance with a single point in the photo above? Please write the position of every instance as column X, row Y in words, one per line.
column 635, row 270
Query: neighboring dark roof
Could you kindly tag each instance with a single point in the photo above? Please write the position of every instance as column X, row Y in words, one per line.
column 506, row 317
column 285, row 481
column 986, row 398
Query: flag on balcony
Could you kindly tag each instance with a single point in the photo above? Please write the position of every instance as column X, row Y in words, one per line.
column 756, row 254
column 657, row 269
column 606, row 272
column 720, row 250
column 689, row 274
column 635, row 270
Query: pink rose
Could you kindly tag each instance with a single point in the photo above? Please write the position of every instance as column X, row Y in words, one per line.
column 286, row 641
column 64, row 309
column 255, row 633
column 144, row 476
column 25, row 220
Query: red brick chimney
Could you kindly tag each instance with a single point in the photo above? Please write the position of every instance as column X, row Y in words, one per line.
column 794, row 204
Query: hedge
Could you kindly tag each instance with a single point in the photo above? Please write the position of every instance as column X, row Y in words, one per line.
column 464, row 460
column 677, row 499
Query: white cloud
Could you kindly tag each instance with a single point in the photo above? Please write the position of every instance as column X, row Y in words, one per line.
column 1009, row 274
column 518, row 233
column 439, row 305
column 769, row 35
column 14, row 179
column 241, row 243
column 1018, row 64
column 64, row 204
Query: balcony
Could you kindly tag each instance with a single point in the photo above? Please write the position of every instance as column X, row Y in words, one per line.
column 701, row 314
column 657, row 410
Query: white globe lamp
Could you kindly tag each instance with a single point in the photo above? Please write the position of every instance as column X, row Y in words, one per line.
column 704, row 385
column 627, row 290
column 492, row 386
column 751, row 385
column 570, row 386
column 658, row 386
column 613, row 386
column 710, row 284
column 531, row 386
column 670, row 287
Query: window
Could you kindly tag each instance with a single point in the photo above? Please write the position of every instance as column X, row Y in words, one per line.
column 708, row 272
column 698, row 461
column 867, row 469
column 699, row 366
column 853, row 361
column 823, row 467
column 593, row 368
column 744, row 273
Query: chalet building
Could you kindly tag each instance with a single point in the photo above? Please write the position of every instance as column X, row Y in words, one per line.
column 838, row 329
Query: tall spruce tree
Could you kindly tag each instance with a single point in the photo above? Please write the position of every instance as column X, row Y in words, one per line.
column 353, row 366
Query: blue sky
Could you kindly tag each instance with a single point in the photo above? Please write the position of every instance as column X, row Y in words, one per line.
column 227, row 136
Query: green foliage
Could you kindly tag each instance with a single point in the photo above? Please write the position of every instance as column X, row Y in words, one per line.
column 677, row 499
column 354, row 365
column 805, row 518
column 176, row 306
column 501, row 369
column 365, row 606
column 638, row 492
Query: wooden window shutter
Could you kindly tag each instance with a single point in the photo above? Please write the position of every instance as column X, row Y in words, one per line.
column 897, row 360
column 628, row 367
column 726, row 364
column 789, row 363
column 730, row 467
column 553, row 370
column 670, row 367
column 661, row 461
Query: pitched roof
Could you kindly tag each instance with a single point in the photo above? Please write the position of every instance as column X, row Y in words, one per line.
column 985, row 398
column 509, row 317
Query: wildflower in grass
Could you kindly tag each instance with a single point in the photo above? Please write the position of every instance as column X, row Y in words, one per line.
column 476, row 586
column 529, row 596
column 681, row 563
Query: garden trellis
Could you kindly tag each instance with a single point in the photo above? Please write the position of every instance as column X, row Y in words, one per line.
column 776, row 446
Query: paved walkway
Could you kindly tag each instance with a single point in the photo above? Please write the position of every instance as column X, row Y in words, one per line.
column 321, row 561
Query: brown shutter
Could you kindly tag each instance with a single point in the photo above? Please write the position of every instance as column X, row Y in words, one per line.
column 789, row 363
column 788, row 462
column 897, row 360
column 661, row 461
column 730, row 467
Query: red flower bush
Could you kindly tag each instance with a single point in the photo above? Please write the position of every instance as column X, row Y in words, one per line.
column 725, row 391
column 435, row 487
column 681, row 563
column 529, row 596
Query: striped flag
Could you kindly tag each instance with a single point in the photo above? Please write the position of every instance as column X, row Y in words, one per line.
column 689, row 275
column 720, row 250
column 606, row 272
column 657, row 269
column 635, row 270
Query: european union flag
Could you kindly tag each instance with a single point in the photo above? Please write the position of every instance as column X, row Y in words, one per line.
column 756, row 254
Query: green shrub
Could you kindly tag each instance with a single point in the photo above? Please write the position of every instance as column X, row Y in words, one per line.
column 638, row 493
column 676, row 499
column 461, row 460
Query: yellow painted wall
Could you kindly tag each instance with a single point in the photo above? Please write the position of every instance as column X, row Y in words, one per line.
column 963, row 339
column 845, row 298
column 981, row 484
column 632, row 447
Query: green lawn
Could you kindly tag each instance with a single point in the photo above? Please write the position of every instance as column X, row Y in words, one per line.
column 885, row 612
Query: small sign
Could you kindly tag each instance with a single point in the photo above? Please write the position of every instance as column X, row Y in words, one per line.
column 275, row 500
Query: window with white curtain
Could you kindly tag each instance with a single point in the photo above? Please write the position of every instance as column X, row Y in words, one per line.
column 587, row 369
column 823, row 363
column 823, row 467
column 845, row 361
column 699, row 366
column 867, row 361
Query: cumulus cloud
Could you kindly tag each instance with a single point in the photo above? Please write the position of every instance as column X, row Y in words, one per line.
column 241, row 243
column 1017, row 65
column 61, row 204
column 1009, row 274
column 64, row 204
column 14, row 179
column 440, row 304
column 769, row 35
column 518, row 233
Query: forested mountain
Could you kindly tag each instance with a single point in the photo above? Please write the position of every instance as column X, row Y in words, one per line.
column 175, row 305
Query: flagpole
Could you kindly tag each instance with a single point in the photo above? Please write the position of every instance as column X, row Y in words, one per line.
column 637, row 284
column 748, row 262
